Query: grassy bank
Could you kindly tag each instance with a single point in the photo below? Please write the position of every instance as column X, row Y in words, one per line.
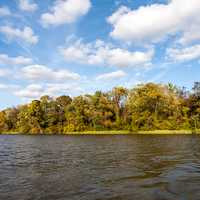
column 170, row 132
column 120, row 132
column 124, row 132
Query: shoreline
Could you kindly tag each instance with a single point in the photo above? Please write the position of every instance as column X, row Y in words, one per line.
column 116, row 132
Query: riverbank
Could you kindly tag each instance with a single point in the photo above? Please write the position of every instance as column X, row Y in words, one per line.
column 118, row 132
column 124, row 132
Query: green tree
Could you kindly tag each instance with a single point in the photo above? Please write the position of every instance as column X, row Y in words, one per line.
column 103, row 112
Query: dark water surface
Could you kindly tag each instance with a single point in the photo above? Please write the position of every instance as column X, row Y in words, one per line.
column 100, row 167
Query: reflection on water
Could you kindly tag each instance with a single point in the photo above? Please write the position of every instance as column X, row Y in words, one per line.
column 100, row 167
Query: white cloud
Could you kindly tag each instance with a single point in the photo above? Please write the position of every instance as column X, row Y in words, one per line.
column 154, row 22
column 9, row 87
column 4, row 11
column 25, row 34
column 61, row 88
column 110, row 76
column 121, row 58
column 105, row 54
column 65, row 12
column 26, row 5
column 183, row 54
column 117, row 15
column 4, row 72
column 31, row 91
column 35, row 91
column 19, row 60
column 192, row 34
column 40, row 72
column 2, row 86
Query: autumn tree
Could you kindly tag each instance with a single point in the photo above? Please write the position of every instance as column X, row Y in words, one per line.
column 147, row 106
column 3, row 123
column 153, row 106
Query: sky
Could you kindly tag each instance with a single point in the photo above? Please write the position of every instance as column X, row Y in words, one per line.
column 74, row 47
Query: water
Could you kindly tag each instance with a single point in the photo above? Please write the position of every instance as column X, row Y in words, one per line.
column 99, row 167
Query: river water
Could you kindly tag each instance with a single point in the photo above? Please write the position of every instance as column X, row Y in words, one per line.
column 99, row 167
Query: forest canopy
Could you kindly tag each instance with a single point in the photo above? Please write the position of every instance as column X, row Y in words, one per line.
column 147, row 106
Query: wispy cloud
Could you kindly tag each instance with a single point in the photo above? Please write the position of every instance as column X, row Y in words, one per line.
column 111, row 76
column 28, row 5
column 19, row 60
column 25, row 34
column 184, row 54
column 4, row 11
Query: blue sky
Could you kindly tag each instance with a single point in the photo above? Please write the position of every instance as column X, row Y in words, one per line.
column 74, row 47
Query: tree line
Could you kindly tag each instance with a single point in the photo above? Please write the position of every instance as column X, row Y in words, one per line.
column 147, row 106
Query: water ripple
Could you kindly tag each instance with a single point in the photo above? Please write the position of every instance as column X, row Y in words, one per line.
column 99, row 168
